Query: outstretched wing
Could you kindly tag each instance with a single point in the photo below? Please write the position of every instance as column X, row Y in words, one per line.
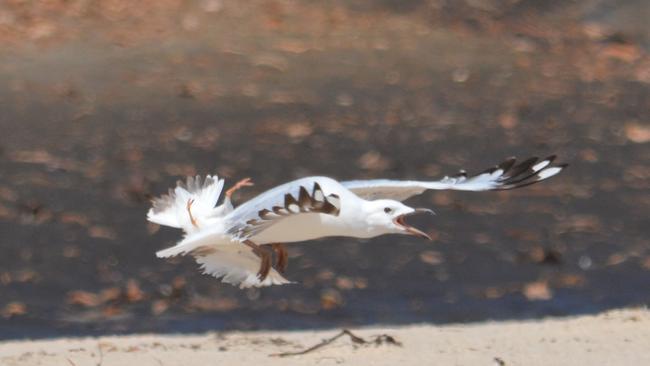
column 233, row 264
column 507, row 175
column 303, row 196
column 236, row 265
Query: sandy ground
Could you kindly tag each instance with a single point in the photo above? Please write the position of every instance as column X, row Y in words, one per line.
column 614, row 338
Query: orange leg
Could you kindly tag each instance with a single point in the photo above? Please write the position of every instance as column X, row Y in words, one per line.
column 246, row 182
column 189, row 211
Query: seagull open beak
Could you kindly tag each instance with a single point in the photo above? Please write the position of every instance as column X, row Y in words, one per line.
column 400, row 221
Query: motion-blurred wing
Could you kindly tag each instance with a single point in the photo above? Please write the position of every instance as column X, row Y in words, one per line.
column 507, row 175
column 236, row 265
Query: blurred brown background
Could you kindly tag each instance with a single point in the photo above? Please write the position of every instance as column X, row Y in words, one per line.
column 105, row 103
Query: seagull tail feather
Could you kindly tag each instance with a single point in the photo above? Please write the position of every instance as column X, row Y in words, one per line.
column 173, row 209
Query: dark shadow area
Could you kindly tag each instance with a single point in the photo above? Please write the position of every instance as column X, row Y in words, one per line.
column 104, row 106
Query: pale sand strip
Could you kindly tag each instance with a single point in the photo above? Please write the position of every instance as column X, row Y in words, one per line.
column 613, row 338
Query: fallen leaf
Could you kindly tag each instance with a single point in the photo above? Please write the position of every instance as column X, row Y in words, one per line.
column 431, row 257
column 623, row 52
column 360, row 282
column 493, row 292
column 74, row 218
column 159, row 306
column 508, row 120
column 83, row 298
column 571, row 280
column 133, row 291
column 538, row 290
column 5, row 278
column 637, row 133
column 110, row 294
column 373, row 160
column 344, row 283
column 101, row 232
column 331, row 299
column 112, row 310
column 14, row 309
column 298, row 131
column 616, row 259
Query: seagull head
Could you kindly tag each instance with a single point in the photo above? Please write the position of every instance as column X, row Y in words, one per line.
column 389, row 217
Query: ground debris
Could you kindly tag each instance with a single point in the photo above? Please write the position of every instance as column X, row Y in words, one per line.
column 376, row 340
column 13, row 309
column 537, row 291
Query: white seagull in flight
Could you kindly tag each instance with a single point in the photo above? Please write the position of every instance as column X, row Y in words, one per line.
column 237, row 244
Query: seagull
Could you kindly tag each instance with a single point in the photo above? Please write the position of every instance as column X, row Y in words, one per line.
column 238, row 245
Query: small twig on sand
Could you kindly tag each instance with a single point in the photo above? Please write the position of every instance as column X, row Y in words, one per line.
column 377, row 340
column 157, row 360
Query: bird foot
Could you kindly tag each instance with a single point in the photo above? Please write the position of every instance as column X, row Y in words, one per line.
column 189, row 211
column 246, row 182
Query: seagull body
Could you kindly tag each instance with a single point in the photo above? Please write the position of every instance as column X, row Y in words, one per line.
column 237, row 244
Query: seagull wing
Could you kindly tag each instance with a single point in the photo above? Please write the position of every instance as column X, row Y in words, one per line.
column 507, row 175
column 302, row 196
column 299, row 197
column 236, row 265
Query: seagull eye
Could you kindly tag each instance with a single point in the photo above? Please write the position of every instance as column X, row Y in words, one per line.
column 388, row 210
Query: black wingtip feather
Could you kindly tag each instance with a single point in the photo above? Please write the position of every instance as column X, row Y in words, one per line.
column 516, row 172
column 523, row 175
column 551, row 158
column 507, row 164
column 460, row 174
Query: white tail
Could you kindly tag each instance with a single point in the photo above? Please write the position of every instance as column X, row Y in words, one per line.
column 172, row 209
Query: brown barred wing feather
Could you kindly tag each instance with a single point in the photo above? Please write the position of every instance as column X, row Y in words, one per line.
column 296, row 203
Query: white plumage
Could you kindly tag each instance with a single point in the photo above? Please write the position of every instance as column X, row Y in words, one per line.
column 238, row 265
column 234, row 243
column 202, row 195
